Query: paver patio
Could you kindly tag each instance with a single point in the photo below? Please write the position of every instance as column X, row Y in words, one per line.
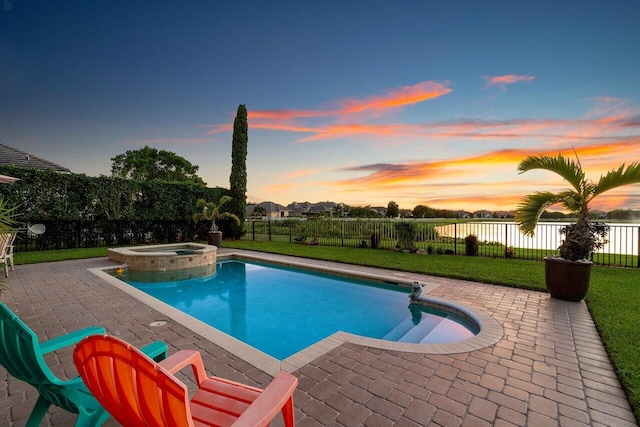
column 549, row 368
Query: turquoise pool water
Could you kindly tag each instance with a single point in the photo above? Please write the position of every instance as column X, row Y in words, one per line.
column 282, row 310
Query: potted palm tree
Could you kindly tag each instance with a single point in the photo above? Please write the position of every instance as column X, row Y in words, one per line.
column 567, row 276
column 211, row 212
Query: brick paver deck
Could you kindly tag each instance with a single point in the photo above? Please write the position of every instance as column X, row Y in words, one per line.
column 550, row 367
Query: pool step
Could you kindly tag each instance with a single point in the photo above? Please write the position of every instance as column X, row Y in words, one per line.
column 399, row 331
column 423, row 329
column 427, row 331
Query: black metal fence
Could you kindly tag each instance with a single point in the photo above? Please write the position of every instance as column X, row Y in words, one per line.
column 496, row 239
column 88, row 234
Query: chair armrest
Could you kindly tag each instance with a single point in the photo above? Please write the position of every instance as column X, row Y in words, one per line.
column 278, row 393
column 183, row 358
column 70, row 339
column 157, row 350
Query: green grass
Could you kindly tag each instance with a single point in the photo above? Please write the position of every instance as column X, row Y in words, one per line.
column 36, row 257
column 613, row 296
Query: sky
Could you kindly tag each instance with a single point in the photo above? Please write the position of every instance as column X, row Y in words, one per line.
column 360, row 102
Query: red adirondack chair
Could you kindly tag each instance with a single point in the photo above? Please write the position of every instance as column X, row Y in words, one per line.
column 137, row 391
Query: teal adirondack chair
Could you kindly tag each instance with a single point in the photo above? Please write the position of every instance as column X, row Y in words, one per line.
column 22, row 356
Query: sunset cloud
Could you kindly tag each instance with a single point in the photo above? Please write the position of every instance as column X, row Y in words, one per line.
column 596, row 129
column 486, row 174
column 508, row 79
column 389, row 174
column 394, row 99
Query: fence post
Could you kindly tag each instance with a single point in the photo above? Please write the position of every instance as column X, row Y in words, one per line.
column 506, row 239
column 342, row 233
column 455, row 238
column 269, row 229
column 253, row 229
column 638, row 253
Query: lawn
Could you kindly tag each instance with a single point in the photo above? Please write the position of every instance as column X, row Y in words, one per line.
column 613, row 298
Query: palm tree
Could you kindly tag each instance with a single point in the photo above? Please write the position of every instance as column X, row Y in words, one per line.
column 583, row 237
column 211, row 212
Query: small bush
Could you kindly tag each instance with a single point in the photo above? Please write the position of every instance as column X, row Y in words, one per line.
column 471, row 245
column 407, row 233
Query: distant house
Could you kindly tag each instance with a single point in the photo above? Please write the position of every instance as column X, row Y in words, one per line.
column 463, row 214
column 503, row 214
column 380, row 210
column 482, row 214
column 298, row 209
column 273, row 210
column 322, row 209
column 10, row 156
column 314, row 209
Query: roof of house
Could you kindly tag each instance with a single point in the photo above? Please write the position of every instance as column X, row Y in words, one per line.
column 14, row 157
column 272, row 207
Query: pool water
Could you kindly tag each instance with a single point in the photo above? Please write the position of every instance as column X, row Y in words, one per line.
column 282, row 310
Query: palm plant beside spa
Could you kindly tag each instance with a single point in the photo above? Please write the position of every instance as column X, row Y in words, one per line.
column 211, row 211
column 581, row 238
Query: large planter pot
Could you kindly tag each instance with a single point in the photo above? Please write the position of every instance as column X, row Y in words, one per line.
column 214, row 238
column 567, row 280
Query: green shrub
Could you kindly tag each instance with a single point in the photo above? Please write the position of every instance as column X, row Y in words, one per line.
column 407, row 233
column 471, row 245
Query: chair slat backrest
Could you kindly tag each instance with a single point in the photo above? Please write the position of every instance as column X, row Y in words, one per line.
column 133, row 388
column 5, row 238
column 20, row 351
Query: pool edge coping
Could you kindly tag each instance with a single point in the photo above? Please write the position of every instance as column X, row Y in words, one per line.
column 490, row 330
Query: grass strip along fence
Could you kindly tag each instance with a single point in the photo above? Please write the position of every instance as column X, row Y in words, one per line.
column 495, row 239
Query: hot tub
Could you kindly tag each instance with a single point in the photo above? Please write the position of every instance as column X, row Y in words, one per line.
column 175, row 256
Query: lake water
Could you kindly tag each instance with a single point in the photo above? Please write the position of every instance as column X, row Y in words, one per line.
column 623, row 237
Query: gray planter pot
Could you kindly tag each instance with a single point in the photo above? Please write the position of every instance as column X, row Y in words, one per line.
column 214, row 238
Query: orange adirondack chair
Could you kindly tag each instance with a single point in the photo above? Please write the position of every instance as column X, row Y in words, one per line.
column 137, row 391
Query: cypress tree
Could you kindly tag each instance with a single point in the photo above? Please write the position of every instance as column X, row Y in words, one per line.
column 238, row 178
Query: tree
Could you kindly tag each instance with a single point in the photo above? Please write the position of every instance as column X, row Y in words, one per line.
column 582, row 237
column 259, row 211
column 340, row 210
column 362, row 212
column 422, row 211
column 238, row 178
column 393, row 210
column 148, row 163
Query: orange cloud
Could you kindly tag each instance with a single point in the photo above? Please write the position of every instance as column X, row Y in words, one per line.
column 391, row 100
column 396, row 98
column 503, row 81
column 560, row 130
column 387, row 174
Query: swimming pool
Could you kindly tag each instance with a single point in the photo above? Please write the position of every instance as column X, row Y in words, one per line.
column 282, row 310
